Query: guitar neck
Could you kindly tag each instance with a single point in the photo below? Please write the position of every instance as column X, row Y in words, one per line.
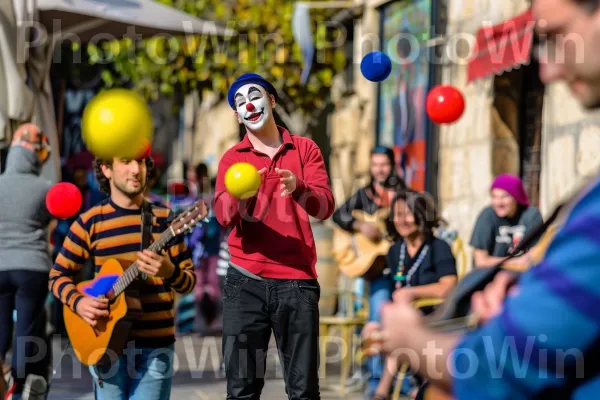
column 133, row 272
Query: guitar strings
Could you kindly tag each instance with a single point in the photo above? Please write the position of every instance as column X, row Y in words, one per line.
column 132, row 272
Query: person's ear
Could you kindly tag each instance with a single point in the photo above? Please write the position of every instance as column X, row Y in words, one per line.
column 238, row 117
column 107, row 171
column 273, row 104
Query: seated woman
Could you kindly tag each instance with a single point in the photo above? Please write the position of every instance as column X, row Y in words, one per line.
column 501, row 225
column 421, row 264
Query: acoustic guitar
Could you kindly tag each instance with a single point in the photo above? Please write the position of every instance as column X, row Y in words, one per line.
column 358, row 255
column 103, row 343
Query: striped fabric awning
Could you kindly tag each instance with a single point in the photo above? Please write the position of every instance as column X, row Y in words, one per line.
column 502, row 47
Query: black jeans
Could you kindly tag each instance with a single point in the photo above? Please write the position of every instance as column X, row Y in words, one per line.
column 25, row 291
column 251, row 310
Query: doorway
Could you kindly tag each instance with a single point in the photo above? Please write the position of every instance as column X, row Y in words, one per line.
column 517, row 126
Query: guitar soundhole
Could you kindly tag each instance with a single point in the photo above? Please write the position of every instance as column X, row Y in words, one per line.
column 100, row 327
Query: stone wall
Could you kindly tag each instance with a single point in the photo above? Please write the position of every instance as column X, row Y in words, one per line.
column 211, row 129
column 479, row 145
column 352, row 126
column 471, row 151
column 570, row 146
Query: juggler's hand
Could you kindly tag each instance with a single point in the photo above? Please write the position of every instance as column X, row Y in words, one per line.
column 289, row 182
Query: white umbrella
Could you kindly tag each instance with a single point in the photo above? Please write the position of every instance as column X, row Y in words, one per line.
column 87, row 18
column 22, row 100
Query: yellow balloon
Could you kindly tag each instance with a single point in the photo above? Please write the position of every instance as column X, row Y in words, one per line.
column 117, row 123
column 242, row 180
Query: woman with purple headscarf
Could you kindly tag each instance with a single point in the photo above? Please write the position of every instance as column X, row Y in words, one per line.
column 504, row 223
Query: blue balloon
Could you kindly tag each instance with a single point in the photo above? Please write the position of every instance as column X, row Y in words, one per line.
column 376, row 66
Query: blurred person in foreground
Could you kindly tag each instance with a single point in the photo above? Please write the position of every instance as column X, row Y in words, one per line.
column 272, row 284
column 548, row 316
column 25, row 259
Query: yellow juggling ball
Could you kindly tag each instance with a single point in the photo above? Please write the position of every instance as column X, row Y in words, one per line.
column 117, row 123
column 242, row 180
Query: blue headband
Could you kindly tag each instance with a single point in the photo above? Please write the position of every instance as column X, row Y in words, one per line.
column 246, row 79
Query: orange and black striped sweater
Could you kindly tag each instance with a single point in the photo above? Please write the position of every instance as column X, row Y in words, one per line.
column 109, row 231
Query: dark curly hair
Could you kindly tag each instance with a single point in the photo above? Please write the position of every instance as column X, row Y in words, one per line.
column 589, row 5
column 104, row 184
column 422, row 206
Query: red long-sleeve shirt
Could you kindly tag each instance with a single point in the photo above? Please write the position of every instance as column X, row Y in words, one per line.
column 272, row 235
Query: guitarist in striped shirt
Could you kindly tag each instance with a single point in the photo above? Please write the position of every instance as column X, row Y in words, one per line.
column 112, row 229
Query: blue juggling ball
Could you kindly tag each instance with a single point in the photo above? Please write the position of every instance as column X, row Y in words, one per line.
column 376, row 66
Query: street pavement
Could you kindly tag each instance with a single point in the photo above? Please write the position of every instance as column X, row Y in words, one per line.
column 197, row 373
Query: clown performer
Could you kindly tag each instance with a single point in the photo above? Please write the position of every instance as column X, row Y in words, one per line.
column 272, row 283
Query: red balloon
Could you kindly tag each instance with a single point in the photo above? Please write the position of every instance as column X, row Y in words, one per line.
column 147, row 151
column 64, row 200
column 445, row 104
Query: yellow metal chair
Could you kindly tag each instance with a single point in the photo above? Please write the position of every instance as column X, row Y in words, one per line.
column 347, row 324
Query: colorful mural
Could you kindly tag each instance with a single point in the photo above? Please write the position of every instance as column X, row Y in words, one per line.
column 402, row 120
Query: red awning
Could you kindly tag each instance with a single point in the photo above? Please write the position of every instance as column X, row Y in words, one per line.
column 502, row 47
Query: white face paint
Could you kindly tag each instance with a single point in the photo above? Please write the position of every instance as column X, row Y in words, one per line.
column 253, row 106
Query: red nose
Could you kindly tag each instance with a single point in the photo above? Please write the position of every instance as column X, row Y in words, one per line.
column 250, row 107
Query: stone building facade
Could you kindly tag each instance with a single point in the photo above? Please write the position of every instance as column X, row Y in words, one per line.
column 470, row 152
column 480, row 145
column 570, row 146
column 483, row 143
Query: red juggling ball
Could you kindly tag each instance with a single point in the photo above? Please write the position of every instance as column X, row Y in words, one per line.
column 64, row 200
column 445, row 104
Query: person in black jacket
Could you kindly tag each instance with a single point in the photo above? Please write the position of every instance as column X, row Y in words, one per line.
column 382, row 187
column 385, row 183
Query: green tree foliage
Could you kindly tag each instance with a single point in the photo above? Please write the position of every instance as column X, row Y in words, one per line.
column 264, row 44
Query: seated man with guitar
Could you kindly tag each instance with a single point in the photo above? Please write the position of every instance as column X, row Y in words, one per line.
column 130, row 303
column 538, row 335
column 361, row 244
